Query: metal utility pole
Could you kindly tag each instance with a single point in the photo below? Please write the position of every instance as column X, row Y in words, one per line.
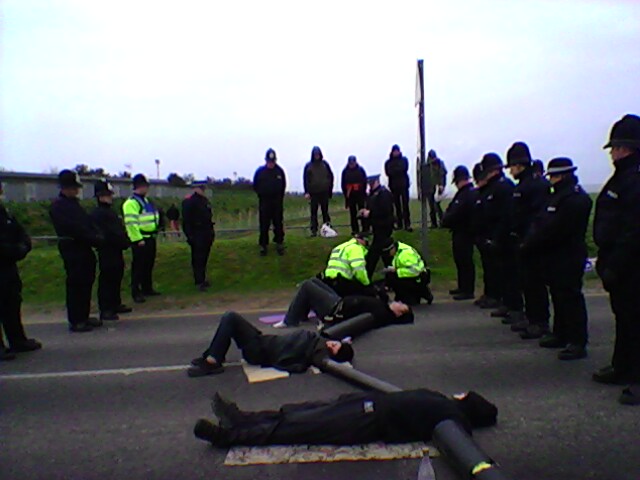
column 158, row 168
column 421, row 165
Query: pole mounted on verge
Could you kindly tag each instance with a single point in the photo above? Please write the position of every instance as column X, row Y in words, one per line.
column 421, row 167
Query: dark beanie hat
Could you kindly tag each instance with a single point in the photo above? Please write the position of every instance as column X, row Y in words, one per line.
column 395, row 148
column 625, row 133
column 478, row 410
column 270, row 155
column 139, row 180
column 518, row 154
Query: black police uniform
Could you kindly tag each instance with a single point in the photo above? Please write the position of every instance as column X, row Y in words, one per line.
column 354, row 188
column 270, row 185
column 616, row 232
column 197, row 224
column 110, row 258
column 459, row 219
column 380, row 206
column 397, row 170
column 556, row 240
column 77, row 235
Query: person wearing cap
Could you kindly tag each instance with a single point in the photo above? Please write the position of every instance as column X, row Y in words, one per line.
column 379, row 214
column 437, row 178
column 270, row 183
column 346, row 271
column 529, row 199
column 354, row 189
column 77, row 236
column 397, row 170
column 15, row 245
column 491, row 284
column 142, row 220
column 197, row 224
column 556, row 239
column 616, row 232
column 406, row 274
column 110, row 257
column 351, row 419
column 318, row 188
column 294, row 352
column 459, row 219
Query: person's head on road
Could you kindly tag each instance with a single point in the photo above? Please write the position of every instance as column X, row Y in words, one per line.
column 395, row 151
column 624, row 139
column 560, row 169
column 461, row 176
column 352, row 161
column 140, row 184
column 69, row 183
column 373, row 181
column 270, row 158
column 478, row 410
column 518, row 159
column 340, row 351
column 316, row 154
column 492, row 165
column 199, row 187
column 103, row 191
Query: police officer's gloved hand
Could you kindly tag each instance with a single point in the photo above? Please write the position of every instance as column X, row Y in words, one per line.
column 609, row 279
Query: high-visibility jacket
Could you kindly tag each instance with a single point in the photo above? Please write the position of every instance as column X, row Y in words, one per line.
column 408, row 262
column 141, row 218
column 348, row 260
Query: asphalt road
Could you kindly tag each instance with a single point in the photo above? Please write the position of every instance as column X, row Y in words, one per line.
column 57, row 422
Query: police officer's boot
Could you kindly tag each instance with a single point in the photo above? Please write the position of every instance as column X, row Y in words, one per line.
column 573, row 352
column 263, row 250
column 534, row 331
column 280, row 249
column 6, row 355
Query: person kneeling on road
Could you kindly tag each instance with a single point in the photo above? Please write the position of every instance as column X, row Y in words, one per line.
column 314, row 295
column 407, row 275
column 351, row 419
column 293, row 353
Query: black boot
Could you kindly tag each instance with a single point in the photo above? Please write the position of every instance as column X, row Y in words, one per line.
column 280, row 249
column 534, row 331
column 227, row 411
column 263, row 251
column 207, row 430
column 501, row 312
column 572, row 352
column 552, row 341
column 611, row 376
column 630, row 395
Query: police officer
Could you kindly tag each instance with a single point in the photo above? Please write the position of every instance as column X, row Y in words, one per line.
column 379, row 213
column 346, row 271
column 197, row 224
column 354, row 189
column 491, row 294
column 459, row 219
column 142, row 220
column 270, row 183
column 529, row 198
column 110, row 257
column 15, row 244
column 406, row 274
column 77, row 235
column 397, row 170
column 616, row 231
column 556, row 239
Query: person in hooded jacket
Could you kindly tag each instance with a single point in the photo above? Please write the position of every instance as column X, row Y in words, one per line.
column 354, row 188
column 437, row 173
column 270, row 183
column 318, row 188
column 397, row 170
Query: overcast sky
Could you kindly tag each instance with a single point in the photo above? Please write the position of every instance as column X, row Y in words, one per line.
column 207, row 86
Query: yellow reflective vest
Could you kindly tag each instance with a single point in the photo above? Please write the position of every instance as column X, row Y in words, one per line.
column 348, row 260
column 141, row 218
column 407, row 261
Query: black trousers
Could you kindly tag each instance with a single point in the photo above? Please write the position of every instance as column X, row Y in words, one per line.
column 314, row 295
column 462, row 246
column 380, row 235
column 491, row 272
column 534, row 289
column 510, row 279
column 271, row 213
column 10, row 305
column 80, row 267
column 409, row 290
column 319, row 200
column 200, row 244
column 626, row 308
column 357, row 202
column 234, row 327
column 569, row 309
column 111, row 264
column 143, row 260
column 435, row 210
column 401, row 203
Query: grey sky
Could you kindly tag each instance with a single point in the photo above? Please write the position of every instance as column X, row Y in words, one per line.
column 208, row 86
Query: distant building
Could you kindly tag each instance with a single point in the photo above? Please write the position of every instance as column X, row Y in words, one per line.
column 28, row 187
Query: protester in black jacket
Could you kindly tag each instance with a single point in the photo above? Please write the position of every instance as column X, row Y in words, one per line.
column 270, row 183
column 379, row 213
column 459, row 219
column 110, row 256
column 556, row 239
column 197, row 223
column 351, row 419
column 318, row 188
column 616, row 232
column 397, row 171
column 354, row 189
column 294, row 352
column 77, row 235
column 15, row 245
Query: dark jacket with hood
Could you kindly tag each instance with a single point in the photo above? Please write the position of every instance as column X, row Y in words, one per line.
column 318, row 177
column 397, row 170
column 270, row 183
column 354, row 182
column 294, row 352
column 15, row 244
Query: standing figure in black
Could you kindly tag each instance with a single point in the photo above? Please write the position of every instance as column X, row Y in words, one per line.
column 529, row 199
column 459, row 219
column 270, row 183
column 491, row 294
column 556, row 239
column 77, row 236
column 437, row 174
column 318, row 188
column 397, row 170
column 197, row 224
column 379, row 214
column 15, row 244
column 110, row 257
column 616, row 232
column 354, row 188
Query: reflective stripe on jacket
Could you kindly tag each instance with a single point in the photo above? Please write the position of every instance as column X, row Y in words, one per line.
column 348, row 260
column 408, row 262
column 140, row 218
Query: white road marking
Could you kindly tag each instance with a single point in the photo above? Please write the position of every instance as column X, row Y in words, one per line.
column 96, row 373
